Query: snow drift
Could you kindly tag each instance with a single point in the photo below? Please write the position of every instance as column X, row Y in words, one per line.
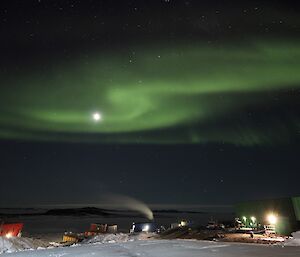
column 118, row 238
column 15, row 244
column 294, row 241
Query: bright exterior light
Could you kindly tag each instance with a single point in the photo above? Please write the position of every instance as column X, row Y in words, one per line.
column 272, row 219
column 96, row 116
column 183, row 223
column 244, row 218
column 8, row 235
column 253, row 219
column 146, row 228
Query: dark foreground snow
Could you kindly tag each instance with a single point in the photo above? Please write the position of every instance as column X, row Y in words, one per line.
column 164, row 248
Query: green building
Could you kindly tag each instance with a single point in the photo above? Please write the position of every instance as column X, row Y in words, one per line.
column 283, row 213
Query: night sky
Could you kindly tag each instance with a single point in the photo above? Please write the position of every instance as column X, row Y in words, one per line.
column 193, row 103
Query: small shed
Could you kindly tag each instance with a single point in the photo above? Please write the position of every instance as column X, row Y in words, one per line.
column 112, row 228
column 98, row 228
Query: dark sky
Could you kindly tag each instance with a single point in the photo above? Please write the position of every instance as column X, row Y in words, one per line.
column 172, row 102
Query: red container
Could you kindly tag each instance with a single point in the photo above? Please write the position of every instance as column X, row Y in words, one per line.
column 12, row 229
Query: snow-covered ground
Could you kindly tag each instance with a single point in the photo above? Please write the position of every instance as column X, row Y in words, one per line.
column 294, row 241
column 164, row 248
column 15, row 244
column 119, row 238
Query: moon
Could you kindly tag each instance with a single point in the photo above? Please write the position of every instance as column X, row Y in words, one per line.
column 97, row 116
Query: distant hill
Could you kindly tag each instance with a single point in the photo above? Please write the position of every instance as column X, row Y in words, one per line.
column 177, row 211
column 78, row 212
column 83, row 211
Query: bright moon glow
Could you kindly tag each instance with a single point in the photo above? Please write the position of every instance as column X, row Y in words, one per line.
column 96, row 116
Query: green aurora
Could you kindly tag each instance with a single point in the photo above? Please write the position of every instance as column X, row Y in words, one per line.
column 157, row 95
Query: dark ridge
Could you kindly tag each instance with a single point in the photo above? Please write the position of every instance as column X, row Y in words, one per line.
column 177, row 211
column 78, row 212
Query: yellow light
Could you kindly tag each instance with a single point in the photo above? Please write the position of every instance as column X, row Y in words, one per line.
column 272, row 218
column 183, row 223
column 8, row 235
column 146, row 228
